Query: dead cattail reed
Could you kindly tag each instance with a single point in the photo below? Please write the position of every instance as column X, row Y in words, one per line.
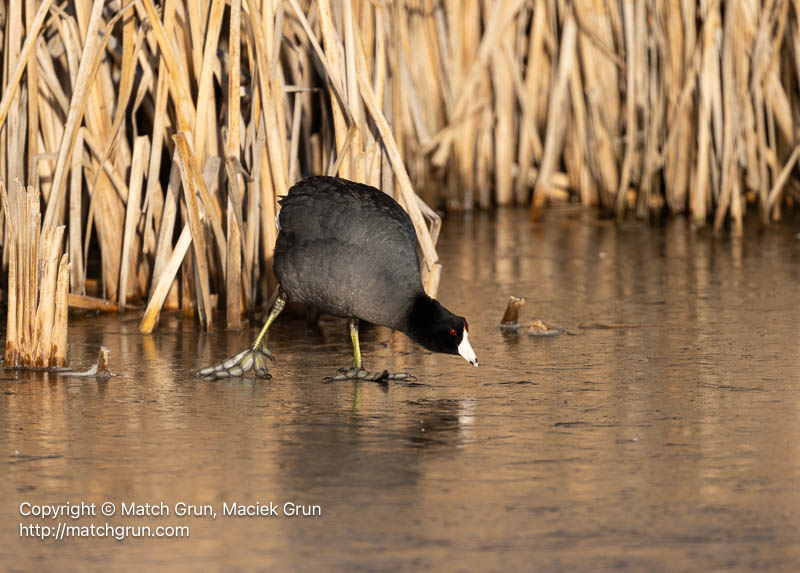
column 122, row 114
column 38, row 277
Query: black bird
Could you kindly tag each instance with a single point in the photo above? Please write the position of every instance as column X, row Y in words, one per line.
column 351, row 251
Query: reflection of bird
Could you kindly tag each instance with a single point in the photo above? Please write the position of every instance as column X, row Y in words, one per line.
column 351, row 251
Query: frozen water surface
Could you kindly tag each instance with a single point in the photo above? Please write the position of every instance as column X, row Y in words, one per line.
column 668, row 442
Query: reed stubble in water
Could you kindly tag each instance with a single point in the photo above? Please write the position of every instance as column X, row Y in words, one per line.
column 632, row 106
column 38, row 278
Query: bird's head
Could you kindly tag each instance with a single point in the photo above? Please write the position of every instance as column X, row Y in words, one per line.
column 437, row 329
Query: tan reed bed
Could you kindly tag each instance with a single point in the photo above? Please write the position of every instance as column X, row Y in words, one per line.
column 632, row 106
column 162, row 135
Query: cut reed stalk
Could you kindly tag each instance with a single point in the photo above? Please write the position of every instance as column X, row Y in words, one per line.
column 510, row 318
column 36, row 330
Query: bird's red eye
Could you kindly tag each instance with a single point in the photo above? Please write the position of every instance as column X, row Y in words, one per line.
column 453, row 331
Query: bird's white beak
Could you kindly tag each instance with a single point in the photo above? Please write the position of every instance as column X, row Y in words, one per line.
column 465, row 350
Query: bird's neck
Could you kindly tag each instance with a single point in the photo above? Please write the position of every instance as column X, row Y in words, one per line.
column 421, row 313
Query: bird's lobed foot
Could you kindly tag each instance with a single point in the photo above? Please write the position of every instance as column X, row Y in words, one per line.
column 354, row 373
column 254, row 358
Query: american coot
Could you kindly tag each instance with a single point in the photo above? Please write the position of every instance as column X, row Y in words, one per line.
column 350, row 250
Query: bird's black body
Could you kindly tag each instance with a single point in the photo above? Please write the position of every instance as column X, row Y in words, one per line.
column 348, row 249
column 351, row 251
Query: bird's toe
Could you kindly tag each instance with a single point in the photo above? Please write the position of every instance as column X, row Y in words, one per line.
column 353, row 373
column 260, row 366
column 402, row 376
column 251, row 359
column 268, row 354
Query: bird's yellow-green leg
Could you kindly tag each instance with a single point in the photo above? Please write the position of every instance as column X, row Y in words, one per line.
column 353, row 324
column 253, row 358
column 356, row 371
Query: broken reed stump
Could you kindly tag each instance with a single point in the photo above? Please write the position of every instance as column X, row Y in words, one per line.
column 99, row 369
column 510, row 321
column 38, row 284
column 102, row 362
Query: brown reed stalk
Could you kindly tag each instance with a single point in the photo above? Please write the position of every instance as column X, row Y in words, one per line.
column 556, row 128
column 234, row 223
column 190, row 185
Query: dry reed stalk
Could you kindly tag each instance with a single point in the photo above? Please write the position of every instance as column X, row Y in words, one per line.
column 630, row 106
column 530, row 144
column 235, row 223
column 654, row 107
column 205, row 89
column 576, row 153
column 556, row 127
column 732, row 32
column 268, row 104
column 172, row 257
column 190, row 185
column 11, row 240
column 84, row 302
column 3, row 130
column 504, row 101
column 676, row 170
column 32, row 103
column 700, row 193
column 141, row 148
column 45, row 311
column 272, row 174
column 357, row 167
column 167, row 225
column 78, row 278
column 154, row 198
column 59, row 337
column 461, row 39
column 332, row 57
column 179, row 91
column 600, row 80
column 161, row 288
